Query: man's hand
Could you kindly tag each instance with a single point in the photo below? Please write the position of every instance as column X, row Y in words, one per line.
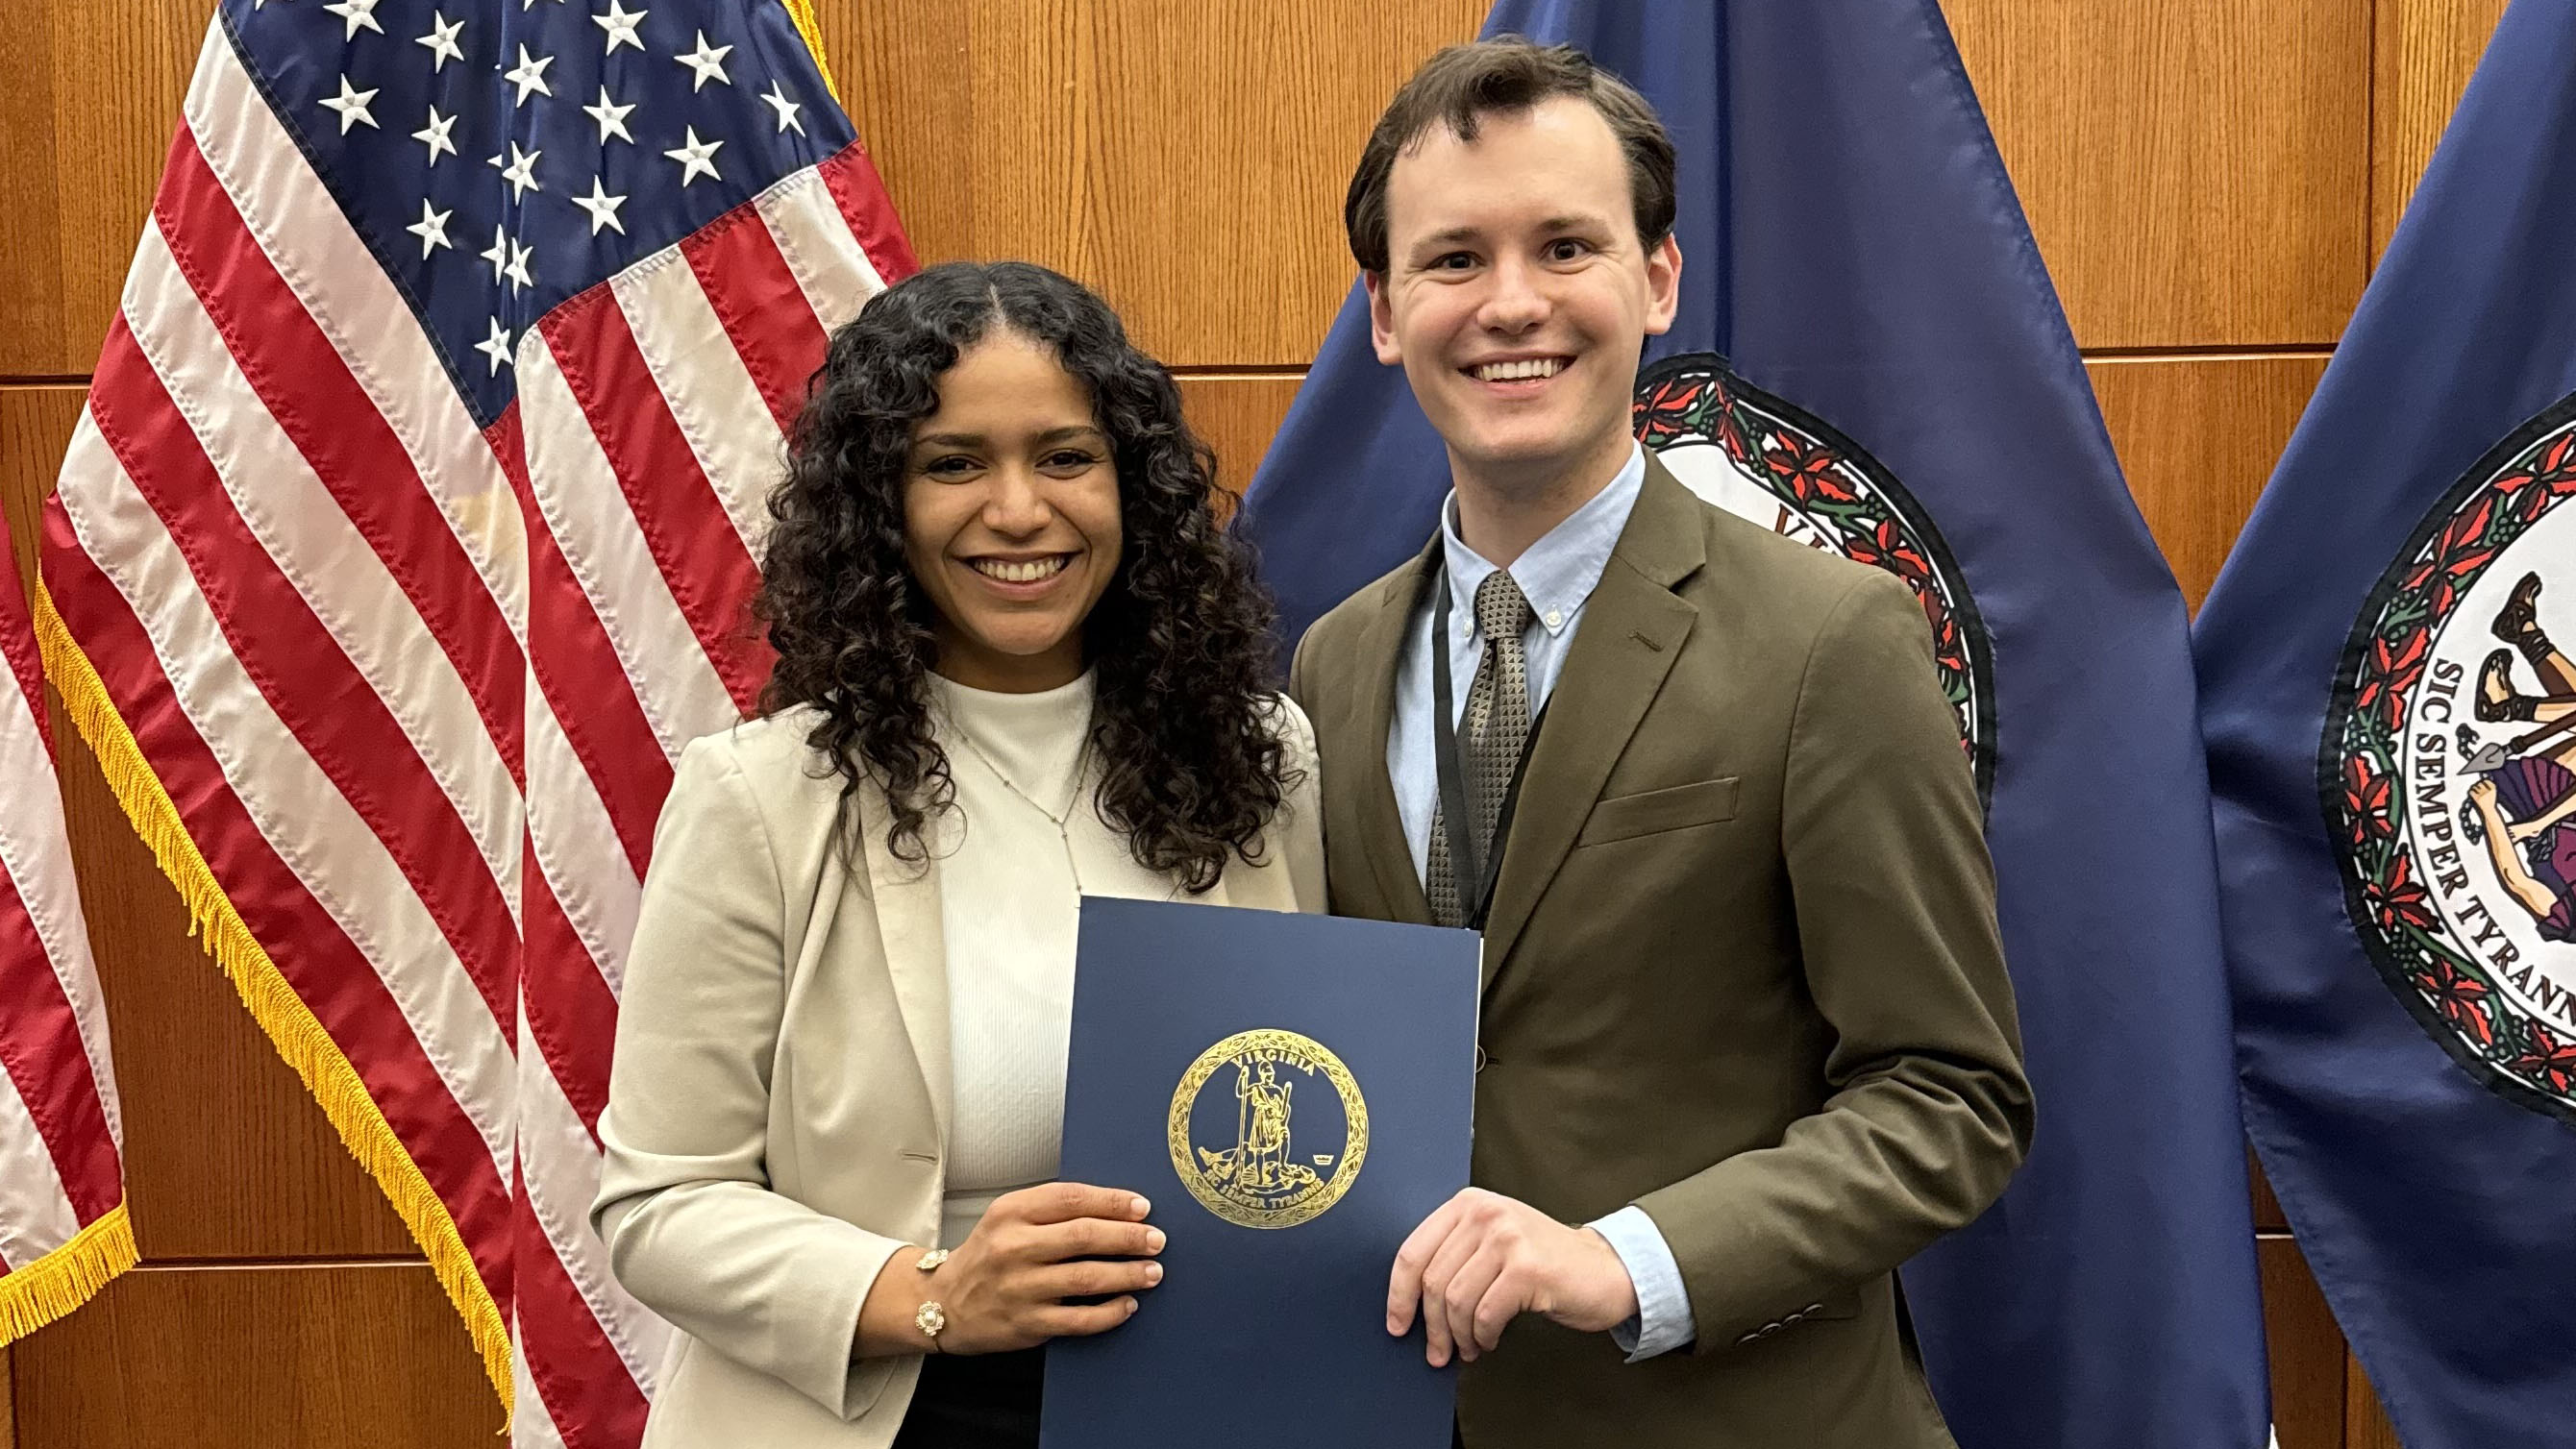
column 1483, row 1260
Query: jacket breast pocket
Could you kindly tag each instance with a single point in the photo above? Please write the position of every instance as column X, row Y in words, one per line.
column 1652, row 812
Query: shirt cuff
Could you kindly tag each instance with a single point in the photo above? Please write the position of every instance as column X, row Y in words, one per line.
column 1663, row 1322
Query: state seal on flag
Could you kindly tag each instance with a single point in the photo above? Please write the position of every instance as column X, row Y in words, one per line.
column 1764, row 459
column 2448, row 769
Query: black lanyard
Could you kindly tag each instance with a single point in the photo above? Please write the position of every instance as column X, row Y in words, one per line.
column 1465, row 865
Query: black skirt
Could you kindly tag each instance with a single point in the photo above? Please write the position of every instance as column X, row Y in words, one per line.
column 976, row 1401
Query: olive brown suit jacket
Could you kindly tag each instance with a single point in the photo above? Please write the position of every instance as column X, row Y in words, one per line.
column 1741, row 970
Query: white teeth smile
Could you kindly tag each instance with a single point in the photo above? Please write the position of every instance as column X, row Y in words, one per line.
column 1029, row 572
column 1513, row 371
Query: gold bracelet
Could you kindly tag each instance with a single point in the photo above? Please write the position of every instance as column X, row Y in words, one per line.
column 930, row 1318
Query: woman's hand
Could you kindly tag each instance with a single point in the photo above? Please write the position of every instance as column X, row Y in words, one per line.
column 1004, row 1287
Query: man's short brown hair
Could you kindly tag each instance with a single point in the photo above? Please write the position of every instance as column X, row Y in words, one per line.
column 1507, row 75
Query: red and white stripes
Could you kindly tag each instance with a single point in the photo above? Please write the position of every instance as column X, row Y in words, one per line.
column 653, row 412
column 63, row 1231
column 397, row 698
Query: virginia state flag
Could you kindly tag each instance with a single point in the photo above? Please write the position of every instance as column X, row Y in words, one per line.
column 1870, row 358
column 2391, row 714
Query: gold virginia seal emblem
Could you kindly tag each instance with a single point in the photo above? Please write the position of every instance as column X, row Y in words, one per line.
column 1268, row 1129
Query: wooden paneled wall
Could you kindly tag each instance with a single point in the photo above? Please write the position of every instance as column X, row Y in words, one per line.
column 2210, row 181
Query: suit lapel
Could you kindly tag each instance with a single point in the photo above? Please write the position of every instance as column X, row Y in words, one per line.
column 1632, row 631
column 1381, row 824
column 916, row 952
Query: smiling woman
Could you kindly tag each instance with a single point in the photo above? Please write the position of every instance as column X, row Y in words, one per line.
column 1010, row 505
column 1018, row 664
column 992, row 483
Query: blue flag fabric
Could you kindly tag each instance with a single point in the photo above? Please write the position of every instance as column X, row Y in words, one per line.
column 1870, row 356
column 2380, row 673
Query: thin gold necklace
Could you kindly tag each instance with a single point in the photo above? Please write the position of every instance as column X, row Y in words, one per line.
column 1063, row 830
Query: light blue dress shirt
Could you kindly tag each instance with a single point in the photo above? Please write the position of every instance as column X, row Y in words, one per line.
column 1557, row 575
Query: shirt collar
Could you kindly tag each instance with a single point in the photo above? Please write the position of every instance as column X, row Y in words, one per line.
column 1557, row 573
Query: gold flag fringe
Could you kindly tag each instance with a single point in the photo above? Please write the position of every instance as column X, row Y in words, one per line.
column 37, row 1293
column 808, row 27
column 290, row 1024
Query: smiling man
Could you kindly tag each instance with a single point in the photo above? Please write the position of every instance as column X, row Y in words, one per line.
column 1747, row 1042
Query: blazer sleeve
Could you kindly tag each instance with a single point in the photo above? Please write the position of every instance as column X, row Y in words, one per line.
column 1928, row 1111
column 1298, row 833
column 692, row 1228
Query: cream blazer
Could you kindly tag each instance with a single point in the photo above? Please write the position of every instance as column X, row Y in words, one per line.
column 778, row 1112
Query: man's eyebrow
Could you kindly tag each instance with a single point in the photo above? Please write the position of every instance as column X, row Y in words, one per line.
column 1455, row 235
column 1446, row 237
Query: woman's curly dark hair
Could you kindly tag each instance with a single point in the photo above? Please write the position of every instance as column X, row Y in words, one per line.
column 1192, row 766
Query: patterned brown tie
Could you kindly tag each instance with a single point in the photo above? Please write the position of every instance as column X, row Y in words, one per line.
column 1490, row 740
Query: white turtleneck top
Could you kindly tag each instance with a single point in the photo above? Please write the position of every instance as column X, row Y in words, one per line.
column 1025, row 842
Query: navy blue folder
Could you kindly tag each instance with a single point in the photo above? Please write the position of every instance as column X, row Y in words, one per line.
column 1294, row 1093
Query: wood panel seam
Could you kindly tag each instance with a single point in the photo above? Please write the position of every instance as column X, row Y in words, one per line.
column 1229, row 371
column 2216, row 352
column 2372, row 201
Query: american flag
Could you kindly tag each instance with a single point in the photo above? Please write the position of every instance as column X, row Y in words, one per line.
column 63, row 1229
column 408, row 532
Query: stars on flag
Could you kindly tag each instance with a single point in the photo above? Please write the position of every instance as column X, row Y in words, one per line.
column 351, row 106
column 496, row 347
column 776, row 95
column 611, row 118
column 431, row 228
column 360, row 15
column 441, row 41
column 435, row 135
column 530, row 76
column 707, row 62
column 521, row 173
column 696, row 157
column 602, row 207
column 620, row 24
column 595, row 159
